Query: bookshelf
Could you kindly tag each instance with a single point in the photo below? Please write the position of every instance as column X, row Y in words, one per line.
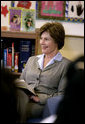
column 32, row 35
column 23, row 35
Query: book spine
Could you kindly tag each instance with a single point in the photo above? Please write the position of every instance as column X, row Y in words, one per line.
column 12, row 56
column 2, row 53
column 33, row 50
column 9, row 58
column 25, row 53
column 16, row 61
column 5, row 58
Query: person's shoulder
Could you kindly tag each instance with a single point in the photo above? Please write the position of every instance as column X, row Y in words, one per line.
column 35, row 57
column 32, row 58
column 66, row 60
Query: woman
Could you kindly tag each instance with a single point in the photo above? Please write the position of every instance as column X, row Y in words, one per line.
column 44, row 73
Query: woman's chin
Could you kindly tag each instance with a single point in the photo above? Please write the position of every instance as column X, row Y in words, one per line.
column 44, row 52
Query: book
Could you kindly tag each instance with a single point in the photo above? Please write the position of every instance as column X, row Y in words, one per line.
column 16, row 61
column 5, row 58
column 1, row 52
column 12, row 56
column 9, row 58
column 25, row 53
column 28, row 20
column 15, row 18
column 33, row 49
column 23, row 85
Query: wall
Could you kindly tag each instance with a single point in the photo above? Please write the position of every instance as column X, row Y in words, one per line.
column 74, row 46
column 70, row 28
column 76, row 29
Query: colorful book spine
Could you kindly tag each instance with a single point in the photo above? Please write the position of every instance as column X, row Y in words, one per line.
column 5, row 58
column 12, row 56
column 9, row 58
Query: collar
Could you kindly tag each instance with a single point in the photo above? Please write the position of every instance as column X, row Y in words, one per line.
column 57, row 57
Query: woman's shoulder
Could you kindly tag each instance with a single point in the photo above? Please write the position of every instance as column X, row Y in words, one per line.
column 64, row 59
column 36, row 57
column 32, row 58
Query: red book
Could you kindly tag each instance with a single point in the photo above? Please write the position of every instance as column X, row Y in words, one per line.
column 9, row 58
column 13, row 56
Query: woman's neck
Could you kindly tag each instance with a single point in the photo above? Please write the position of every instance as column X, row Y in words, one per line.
column 51, row 55
column 48, row 57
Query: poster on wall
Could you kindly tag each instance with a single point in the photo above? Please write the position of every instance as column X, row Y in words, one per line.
column 72, row 11
column 51, row 10
column 6, row 16
column 24, row 4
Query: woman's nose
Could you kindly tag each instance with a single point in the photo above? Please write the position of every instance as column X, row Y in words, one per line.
column 42, row 41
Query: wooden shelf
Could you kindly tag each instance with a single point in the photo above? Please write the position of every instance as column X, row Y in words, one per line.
column 31, row 35
column 23, row 35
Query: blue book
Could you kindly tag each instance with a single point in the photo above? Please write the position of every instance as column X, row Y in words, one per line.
column 25, row 53
column 5, row 58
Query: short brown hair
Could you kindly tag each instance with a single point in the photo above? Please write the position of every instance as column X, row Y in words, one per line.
column 56, row 31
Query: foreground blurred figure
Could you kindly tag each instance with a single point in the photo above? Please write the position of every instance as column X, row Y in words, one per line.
column 8, row 109
column 71, row 108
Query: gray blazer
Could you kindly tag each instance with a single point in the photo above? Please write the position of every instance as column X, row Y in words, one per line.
column 47, row 82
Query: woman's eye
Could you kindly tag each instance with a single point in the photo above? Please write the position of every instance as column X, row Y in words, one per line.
column 46, row 39
column 40, row 38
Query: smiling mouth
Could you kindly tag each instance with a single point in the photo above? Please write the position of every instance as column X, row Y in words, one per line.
column 44, row 47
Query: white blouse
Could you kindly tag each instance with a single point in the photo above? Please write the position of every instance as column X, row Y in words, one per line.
column 57, row 57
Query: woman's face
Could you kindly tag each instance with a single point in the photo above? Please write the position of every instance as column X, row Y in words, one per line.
column 47, row 43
